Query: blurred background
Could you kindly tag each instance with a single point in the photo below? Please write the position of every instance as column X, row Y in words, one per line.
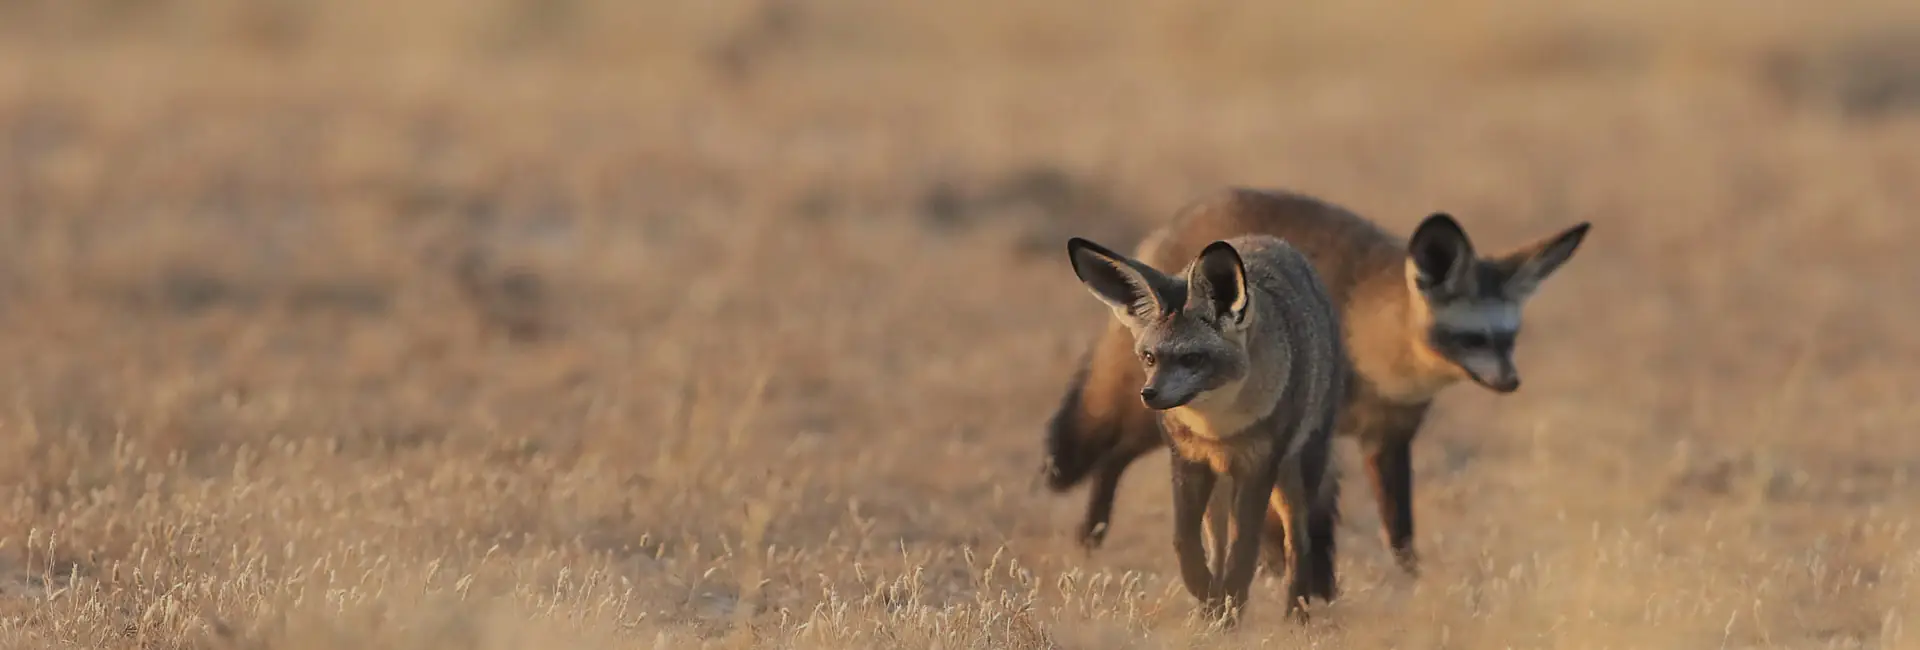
column 583, row 323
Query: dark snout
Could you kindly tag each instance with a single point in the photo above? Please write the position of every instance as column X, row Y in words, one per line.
column 1494, row 371
column 1504, row 381
column 1160, row 400
column 1506, row 384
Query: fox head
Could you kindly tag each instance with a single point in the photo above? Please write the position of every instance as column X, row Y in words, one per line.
column 1474, row 302
column 1189, row 330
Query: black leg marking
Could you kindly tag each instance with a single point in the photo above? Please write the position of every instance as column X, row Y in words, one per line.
column 1106, row 485
column 1293, row 493
column 1323, row 495
column 1390, row 466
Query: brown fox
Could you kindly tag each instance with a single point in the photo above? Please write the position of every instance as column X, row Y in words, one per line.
column 1239, row 356
column 1419, row 315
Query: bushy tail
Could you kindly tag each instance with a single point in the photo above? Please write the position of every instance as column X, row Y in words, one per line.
column 1075, row 441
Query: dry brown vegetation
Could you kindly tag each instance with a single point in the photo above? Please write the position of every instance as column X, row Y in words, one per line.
column 505, row 323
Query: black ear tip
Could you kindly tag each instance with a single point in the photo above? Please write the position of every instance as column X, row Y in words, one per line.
column 1078, row 248
column 1219, row 246
column 1220, row 249
column 1573, row 236
column 1439, row 221
column 1075, row 245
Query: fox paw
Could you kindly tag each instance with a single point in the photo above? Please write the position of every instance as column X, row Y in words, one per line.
column 1092, row 536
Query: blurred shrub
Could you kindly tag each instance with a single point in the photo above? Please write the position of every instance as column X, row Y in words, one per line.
column 1866, row 75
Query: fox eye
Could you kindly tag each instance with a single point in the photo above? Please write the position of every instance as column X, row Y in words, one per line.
column 1471, row 340
column 1190, row 359
column 1147, row 357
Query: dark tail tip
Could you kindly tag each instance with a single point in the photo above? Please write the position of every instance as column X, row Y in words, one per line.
column 1068, row 460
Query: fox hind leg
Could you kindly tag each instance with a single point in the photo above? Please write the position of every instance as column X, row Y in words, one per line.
column 1323, row 503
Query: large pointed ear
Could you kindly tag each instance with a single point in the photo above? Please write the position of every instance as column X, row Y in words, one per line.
column 1218, row 280
column 1534, row 262
column 1440, row 253
column 1124, row 284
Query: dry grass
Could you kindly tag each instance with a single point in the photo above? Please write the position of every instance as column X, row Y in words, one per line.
column 724, row 324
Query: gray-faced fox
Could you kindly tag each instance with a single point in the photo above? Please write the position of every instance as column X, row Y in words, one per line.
column 1239, row 356
column 1418, row 315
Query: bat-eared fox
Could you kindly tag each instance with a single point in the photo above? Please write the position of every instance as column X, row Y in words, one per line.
column 1418, row 315
column 1240, row 360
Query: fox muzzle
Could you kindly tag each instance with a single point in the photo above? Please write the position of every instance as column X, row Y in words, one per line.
column 1161, row 400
